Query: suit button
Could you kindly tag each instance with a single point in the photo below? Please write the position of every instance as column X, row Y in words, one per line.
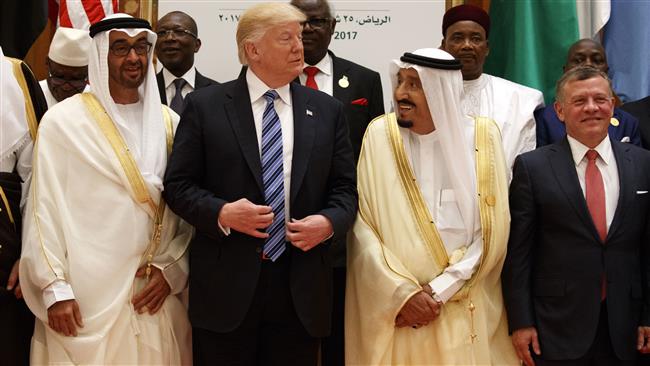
column 258, row 249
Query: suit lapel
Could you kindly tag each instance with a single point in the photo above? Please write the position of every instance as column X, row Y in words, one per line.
column 240, row 116
column 626, row 190
column 303, row 137
column 161, row 87
column 340, row 71
column 200, row 81
column 564, row 168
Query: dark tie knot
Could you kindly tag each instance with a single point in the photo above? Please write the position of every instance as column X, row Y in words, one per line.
column 179, row 83
column 311, row 71
column 592, row 155
column 270, row 96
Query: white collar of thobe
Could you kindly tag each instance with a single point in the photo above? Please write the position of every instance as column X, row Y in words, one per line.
column 476, row 84
column 257, row 88
column 189, row 76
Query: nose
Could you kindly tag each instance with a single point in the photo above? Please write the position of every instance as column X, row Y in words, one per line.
column 591, row 105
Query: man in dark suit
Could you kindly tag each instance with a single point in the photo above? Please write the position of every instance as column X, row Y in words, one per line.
column 178, row 41
column 575, row 279
column 359, row 89
column 264, row 170
column 623, row 126
column 641, row 110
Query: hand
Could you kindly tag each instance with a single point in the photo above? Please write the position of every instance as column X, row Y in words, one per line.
column 12, row 282
column 153, row 295
column 643, row 340
column 309, row 231
column 419, row 310
column 522, row 339
column 246, row 217
column 64, row 317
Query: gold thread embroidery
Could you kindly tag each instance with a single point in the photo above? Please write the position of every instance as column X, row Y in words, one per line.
column 6, row 203
column 29, row 106
column 423, row 218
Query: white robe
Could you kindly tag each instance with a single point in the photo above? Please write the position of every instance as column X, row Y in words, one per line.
column 84, row 226
column 511, row 106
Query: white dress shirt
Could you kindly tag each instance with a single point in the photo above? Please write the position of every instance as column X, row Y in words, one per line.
column 170, row 88
column 325, row 76
column 430, row 169
column 606, row 163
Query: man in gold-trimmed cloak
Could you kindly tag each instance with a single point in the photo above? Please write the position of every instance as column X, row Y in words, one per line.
column 103, row 257
column 429, row 241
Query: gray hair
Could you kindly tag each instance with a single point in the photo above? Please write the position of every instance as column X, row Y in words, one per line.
column 577, row 74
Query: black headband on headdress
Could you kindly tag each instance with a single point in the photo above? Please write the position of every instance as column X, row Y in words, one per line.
column 114, row 23
column 435, row 63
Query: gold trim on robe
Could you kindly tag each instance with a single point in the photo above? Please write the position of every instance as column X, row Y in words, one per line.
column 32, row 123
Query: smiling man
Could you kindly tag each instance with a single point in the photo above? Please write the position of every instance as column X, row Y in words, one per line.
column 575, row 280
column 178, row 41
column 103, row 257
column 426, row 249
column 264, row 170
column 466, row 29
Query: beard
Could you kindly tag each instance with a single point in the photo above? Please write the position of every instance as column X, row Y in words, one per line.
column 404, row 123
column 129, row 82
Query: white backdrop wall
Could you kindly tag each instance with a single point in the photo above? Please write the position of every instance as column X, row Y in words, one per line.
column 370, row 33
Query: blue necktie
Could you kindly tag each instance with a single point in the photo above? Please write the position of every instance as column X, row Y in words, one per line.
column 177, row 101
column 273, row 176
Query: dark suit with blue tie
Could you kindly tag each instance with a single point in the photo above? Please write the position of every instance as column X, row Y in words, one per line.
column 216, row 160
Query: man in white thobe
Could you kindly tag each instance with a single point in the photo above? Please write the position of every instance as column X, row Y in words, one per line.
column 103, row 258
column 465, row 29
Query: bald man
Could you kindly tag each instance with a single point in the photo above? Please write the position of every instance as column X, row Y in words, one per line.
column 623, row 126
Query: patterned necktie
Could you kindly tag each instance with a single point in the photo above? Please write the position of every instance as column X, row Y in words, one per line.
column 595, row 193
column 311, row 71
column 273, row 176
column 177, row 102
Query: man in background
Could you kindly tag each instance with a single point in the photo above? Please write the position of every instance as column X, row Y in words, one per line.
column 359, row 89
column 67, row 65
column 622, row 127
column 178, row 41
column 466, row 29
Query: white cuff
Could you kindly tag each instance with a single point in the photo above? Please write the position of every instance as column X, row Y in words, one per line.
column 58, row 290
column 224, row 230
column 445, row 286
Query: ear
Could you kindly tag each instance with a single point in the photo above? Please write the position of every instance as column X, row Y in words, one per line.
column 252, row 52
column 487, row 48
column 443, row 45
column 333, row 25
column 197, row 45
column 559, row 110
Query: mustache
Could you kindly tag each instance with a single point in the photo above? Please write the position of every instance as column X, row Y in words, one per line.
column 405, row 101
column 404, row 123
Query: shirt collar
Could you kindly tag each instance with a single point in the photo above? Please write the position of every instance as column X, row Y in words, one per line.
column 578, row 150
column 257, row 88
column 189, row 77
column 324, row 65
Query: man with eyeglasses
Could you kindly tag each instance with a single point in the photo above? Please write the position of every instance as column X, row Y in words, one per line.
column 178, row 41
column 623, row 126
column 575, row 278
column 359, row 89
column 103, row 257
column 67, row 65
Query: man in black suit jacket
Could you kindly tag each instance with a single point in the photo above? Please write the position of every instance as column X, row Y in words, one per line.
column 641, row 110
column 359, row 89
column 575, row 280
column 244, row 307
column 178, row 41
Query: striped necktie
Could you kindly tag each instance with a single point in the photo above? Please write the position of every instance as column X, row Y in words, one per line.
column 273, row 176
column 176, row 103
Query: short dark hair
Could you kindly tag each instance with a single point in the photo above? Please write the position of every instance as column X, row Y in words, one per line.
column 577, row 74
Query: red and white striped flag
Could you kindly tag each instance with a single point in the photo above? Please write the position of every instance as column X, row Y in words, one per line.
column 80, row 14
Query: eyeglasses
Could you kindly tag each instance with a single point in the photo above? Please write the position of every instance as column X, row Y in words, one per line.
column 178, row 33
column 317, row 23
column 75, row 83
column 123, row 48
